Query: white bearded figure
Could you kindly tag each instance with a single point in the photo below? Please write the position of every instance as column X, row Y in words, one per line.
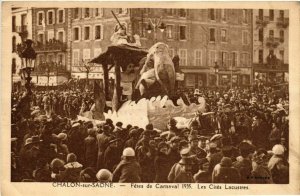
column 162, row 71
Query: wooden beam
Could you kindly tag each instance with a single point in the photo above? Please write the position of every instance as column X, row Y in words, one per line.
column 106, row 81
column 117, row 91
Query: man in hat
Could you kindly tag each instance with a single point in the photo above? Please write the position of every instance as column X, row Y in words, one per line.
column 243, row 163
column 194, row 149
column 102, row 141
column 128, row 170
column 225, row 173
column 145, row 157
column 181, row 172
column 162, row 164
column 173, row 152
column 90, row 149
column 133, row 138
column 112, row 154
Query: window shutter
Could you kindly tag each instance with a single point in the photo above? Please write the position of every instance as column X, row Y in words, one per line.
column 218, row 35
column 218, row 15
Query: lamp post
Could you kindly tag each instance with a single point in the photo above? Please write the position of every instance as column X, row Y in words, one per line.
column 216, row 68
column 153, row 26
column 28, row 56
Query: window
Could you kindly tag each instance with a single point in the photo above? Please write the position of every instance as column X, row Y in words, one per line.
column 182, row 13
column 50, row 35
column 142, row 29
column 260, row 14
column 170, row 12
column 76, row 34
column 212, row 58
column 23, row 19
column 14, row 66
column 98, row 12
column 234, row 59
column 86, row 33
column 245, row 59
column 61, row 15
column 146, row 10
column 41, row 59
column 281, row 14
column 245, row 16
column 61, row 59
column 76, row 13
column 225, row 59
column 245, row 37
column 261, row 34
column 98, row 32
column 281, row 53
column 271, row 15
column 281, row 35
column 224, row 15
column 40, row 17
column 212, row 14
column 198, row 58
column 76, row 57
column 86, row 12
column 169, row 31
column 182, row 32
column 183, row 57
column 14, row 44
column 261, row 56
column 60, row 36
column 223, row 35
column 271, row 33
column 122, row 11
column 86, row 54
column 41, row 38
column 212, row 36
column 50, row 17
column 171, row 52
column 14, row 24
column 50, row 58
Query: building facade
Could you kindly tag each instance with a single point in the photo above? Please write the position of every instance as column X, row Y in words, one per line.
column 21, row 30
column 91, row 31
column 51, row 28
column 204, row 38
column 270, row 45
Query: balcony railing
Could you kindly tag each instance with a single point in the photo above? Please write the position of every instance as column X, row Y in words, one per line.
column 262, row 21
column 21, row 29
column 51, row 45
column 272, row 42
column 283, row 22
column 49, row 68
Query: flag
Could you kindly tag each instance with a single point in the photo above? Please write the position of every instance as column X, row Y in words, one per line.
column 99, row 99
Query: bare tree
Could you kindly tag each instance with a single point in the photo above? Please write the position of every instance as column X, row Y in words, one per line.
column 86, row 67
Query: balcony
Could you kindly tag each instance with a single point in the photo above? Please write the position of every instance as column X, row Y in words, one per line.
column 262, row 22
column 51, row 46
column 49, row 68
column 272, row 42
column 282, row 22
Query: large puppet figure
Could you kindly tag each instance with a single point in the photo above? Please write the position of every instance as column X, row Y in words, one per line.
column 158, row 67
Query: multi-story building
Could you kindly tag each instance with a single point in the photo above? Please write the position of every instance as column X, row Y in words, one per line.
column 91, row 32
column 203, row 38
column 21, row 30
column 270, row 45
column 51, row 29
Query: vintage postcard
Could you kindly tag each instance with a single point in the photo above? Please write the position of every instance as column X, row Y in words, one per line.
column 153, row 98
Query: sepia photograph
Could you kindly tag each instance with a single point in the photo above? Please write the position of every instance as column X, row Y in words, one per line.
column 149, row 95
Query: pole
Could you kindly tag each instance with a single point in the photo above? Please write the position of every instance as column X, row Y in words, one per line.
column 121, row 26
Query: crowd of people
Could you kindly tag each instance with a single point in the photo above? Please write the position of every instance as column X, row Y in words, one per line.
column 242, row 138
